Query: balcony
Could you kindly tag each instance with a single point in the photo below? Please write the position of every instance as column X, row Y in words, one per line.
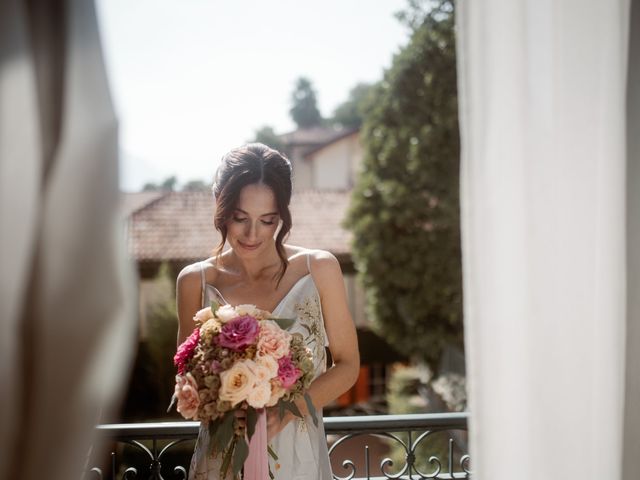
column 432, row 446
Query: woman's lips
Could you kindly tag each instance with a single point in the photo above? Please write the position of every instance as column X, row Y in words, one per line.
column 249, row 246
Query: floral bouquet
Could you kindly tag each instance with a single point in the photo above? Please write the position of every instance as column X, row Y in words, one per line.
column 240, row 358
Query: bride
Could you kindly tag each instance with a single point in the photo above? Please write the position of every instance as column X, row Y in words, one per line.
column 252, row 192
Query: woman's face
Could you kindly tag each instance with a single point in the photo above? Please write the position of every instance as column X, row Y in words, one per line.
column 254, row 222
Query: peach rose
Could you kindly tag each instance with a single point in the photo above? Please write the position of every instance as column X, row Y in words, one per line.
column 273, row 341
column 262, row 373
column 186, row 392
column 259, row 395
column 268, row 362
column 277, row 392
column 203, row 315
column 237, row 382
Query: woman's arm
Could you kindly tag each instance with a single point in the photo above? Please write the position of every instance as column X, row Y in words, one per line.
column 188, row 297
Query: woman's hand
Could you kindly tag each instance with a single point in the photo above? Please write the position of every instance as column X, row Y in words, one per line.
column 274, row 424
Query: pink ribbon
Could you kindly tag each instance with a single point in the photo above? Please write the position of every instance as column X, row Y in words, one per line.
column 256, row 466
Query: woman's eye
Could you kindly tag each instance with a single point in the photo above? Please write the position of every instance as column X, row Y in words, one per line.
column 239, row 219
column 265, row 222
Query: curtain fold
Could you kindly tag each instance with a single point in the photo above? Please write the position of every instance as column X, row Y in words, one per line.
column 631, row 456
column 543, row 118
column 66, row 296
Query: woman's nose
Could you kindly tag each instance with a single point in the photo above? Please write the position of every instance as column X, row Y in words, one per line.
column 250, row 232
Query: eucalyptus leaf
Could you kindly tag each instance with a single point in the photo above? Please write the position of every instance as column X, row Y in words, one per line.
column 226, row 461
column 293, row 408
column 214, row 306
column 213, row 429
column 252, row 420
column 311, row 408
column 173, row 401
column 240, row 454
column 281, row 409
column 224, row 433
column 284, row 323
column 272, row 452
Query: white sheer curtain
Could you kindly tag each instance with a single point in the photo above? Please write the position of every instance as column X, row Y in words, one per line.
column 550, row 237
column 66, row 328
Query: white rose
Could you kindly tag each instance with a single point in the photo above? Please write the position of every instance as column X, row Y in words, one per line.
column 247, row 309
column 260, row 395
column 226, row 313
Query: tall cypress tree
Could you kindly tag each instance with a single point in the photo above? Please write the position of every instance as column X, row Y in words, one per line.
column 304, row 110
column 405, row 207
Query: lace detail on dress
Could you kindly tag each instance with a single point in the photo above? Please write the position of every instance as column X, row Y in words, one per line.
column 309, row 315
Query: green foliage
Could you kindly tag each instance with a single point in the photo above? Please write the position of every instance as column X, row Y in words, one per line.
column 405, row 207
column 351, row 112
column 168, row 185
column 304, row 110
column 153, row 378
column 269, row 137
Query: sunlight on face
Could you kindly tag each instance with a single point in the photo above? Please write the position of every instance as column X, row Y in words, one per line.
column 251, row 229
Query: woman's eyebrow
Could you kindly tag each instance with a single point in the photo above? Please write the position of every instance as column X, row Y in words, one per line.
column 263, row 215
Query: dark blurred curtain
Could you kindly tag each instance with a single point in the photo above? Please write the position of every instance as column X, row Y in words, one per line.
column 66, row 316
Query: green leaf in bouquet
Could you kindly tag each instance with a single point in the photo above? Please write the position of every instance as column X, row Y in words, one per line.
column 173, row 401
column 214, row 306
column 281, row 409
column 224, row 433
column 226, row 460
column 240, row 454
column 284, row 323
column 311, row 408
column 293, row 408
column 213, row 429
column 252, row 420
column 272, row 452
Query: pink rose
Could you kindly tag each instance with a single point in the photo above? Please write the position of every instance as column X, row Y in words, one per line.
column 273, row 340
column 239, row 333
column 185, row 351
column 288, row 373
column 186, row 392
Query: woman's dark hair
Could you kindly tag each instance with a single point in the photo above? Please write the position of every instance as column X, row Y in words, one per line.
column 248, row 165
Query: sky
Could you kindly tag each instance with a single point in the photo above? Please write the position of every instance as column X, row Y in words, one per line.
column 192, row 79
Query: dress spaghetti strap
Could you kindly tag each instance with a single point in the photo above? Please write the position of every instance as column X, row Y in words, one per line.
column 203, row 285
column 308, row 262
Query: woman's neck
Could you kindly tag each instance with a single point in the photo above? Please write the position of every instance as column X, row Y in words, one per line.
column 258, row 268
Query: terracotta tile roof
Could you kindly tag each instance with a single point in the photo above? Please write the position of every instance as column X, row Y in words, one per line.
column 132, row 201
column 179, row 225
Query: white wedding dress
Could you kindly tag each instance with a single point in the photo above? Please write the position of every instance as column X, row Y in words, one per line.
column 301, row 447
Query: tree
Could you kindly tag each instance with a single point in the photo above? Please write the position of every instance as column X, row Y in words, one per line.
column 405, row 211
column 168, row 185
column 196, row 186
column 268, row 136
column 351, row 112
column 304, row 110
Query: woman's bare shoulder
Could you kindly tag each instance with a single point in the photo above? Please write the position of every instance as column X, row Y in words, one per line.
column 191, row 275
column 324, row 265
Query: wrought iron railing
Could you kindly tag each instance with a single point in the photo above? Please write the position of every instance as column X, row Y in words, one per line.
column 425, row 446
